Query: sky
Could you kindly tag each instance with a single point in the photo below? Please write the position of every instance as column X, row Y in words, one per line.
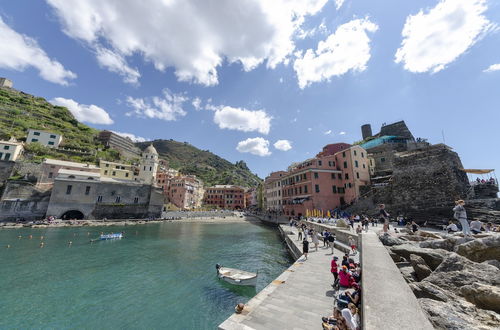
column 267, row 82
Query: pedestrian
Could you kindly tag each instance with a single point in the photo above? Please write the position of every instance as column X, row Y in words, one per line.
column 476, row 226
column 352, row 243
column 315, row 239
column 305, row 247
column 325, row 238
column 461, row 216
column 384, row 216
column 331, row 241
column 334, row 268
column 299, row 230
column 359, row 230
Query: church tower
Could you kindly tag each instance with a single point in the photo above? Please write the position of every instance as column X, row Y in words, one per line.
column 149, row 165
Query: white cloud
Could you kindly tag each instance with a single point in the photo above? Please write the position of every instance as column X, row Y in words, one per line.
column 166, row 34
column 196, row 103
column 328, row 132
column 342, row 133
column 493, row 67
column 132, row 137
column 346, row 49
column 434, row 39
column 88, row 113
column 338, row 4
column 283, row 145
column 116, row 63
column 242, row 119
column 168, row 107
column 309, row 129
column 256, row 146
column 18, row 52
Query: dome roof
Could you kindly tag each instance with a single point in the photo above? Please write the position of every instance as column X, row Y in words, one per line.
column 151, row 150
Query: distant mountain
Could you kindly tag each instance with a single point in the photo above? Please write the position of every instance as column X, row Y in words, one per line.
column 211, row 168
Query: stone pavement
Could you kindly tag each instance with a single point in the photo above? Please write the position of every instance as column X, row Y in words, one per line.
column 297, row 299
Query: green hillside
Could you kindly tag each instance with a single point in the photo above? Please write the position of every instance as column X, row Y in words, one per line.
column 211, row 168
column 20, row 111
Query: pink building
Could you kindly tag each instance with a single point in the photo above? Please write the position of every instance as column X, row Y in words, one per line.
column 225, row 197
column 185, row 192
column 331, row 179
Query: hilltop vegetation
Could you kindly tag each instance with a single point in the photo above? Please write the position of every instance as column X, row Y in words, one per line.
column 211, row 168
column 20, row 111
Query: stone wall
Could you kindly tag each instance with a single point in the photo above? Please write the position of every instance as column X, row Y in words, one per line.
column 5, row 171
column 22, row 200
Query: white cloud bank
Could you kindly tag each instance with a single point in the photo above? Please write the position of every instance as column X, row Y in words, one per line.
column 338, row 4
column 18, row 52
column 283, row 145
column 193, row 36
column 493, row 67
column 328, row 132
column 116, row 63
column 132, row 137
column 168, row 107
column 438, row 37
column 242, row 119
column 346, row 49
column 87, row 113
column 257, row 146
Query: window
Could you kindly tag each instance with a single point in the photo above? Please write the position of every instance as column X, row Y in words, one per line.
column 345, row 164
column 356, row 164
column 305, row 189
column 68, row 189
column 320, row 163
column 113, row 173
column 107, row 165
column 350, row 185
column 355, row 154
column 300, row 190
column 362, row 155
column 99, row 199
column 339, row 176
column 295, row 191
column 51, row 175
column 347, row 176
column 316, row 187
column 304, row 176
column 34, row 140
column 150, row 168
column 36, row 133
column 87, row 190
column 316, row 175
column 7, row 156
column 357, row 175
column 382, row 160
column 106, row 172
column 50, row 143
column 136, row 200
column 126, row 175
column 334, row 189
column 333, row 176
column 118, row 199
column 1, row 154
column 343, row 154
column 52, row 136
column 5, row 147
column 364, row 166
column 144, row 168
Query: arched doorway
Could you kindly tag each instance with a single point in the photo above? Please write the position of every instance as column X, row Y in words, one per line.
column 72, row 215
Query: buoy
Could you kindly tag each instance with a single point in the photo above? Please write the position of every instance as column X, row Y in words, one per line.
column 19, row 236
column 69, row 243
column 31, row 236
column 8, row 246
column 41, row 245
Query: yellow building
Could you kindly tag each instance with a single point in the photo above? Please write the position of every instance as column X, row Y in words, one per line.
column 117, row 170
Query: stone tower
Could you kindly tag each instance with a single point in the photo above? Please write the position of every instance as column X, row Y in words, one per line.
column 149, row 165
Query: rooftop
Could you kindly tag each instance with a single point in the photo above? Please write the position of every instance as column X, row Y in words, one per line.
column 69, row 164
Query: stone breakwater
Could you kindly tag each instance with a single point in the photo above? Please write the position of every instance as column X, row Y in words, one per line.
column 456, row 279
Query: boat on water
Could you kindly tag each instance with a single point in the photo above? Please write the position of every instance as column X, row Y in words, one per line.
column 236, row 276
column 111, row 236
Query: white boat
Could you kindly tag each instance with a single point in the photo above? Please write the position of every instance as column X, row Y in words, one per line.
column 236, row 276
column 111, row 236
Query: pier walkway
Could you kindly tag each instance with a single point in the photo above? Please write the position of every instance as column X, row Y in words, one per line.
column 297, row 299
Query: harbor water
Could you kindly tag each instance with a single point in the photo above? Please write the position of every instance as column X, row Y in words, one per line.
column 159, row 276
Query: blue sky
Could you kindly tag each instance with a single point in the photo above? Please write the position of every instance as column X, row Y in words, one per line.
column 236, row 77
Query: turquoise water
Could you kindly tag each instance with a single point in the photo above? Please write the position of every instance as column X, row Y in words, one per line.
column 160, row 276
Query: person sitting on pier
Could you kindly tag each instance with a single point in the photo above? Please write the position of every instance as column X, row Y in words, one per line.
column 335, row 321
column 344, row 277
column 476, row 226
column 351, row 317
column 355, row 296
column 345, row 261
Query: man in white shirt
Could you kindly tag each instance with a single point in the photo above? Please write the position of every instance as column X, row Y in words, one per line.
column 475, row 226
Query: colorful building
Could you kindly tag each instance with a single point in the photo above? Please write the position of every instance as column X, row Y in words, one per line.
column 10, row 150
column 185, row 192
column 272, row 191
column 118, row 171
column 225, row 197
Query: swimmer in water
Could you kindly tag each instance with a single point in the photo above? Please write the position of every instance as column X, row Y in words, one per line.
column 31, row 236
column 8, row 246
column 41, row 238
column 69, row 243
column 42, row 245
column 19, row 237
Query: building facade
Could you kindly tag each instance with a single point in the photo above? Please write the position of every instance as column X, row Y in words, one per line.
column 149, row 165
column 118, row 171
column 273, row 191
column 10, row 150
column 87, row 195
column 51, row 167
column 185, row 192
column 45, row 138
column 122, row 144
column 225, row 197
column 4, row 82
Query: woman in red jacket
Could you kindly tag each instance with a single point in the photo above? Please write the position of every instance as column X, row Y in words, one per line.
column 334, row 268
column 344, row 277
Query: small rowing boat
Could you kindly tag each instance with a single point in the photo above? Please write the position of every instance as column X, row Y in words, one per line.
column 236, row 276
column 111, row 236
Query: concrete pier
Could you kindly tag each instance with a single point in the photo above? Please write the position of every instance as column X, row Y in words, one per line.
column 297, row 299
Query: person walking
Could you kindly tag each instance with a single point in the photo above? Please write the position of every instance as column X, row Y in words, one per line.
column 352, row 243
column 315, row 239
column 461, row 216
column 299, row 231
column 305, row 247
column 325, row 238
column 331, row 241
column 334, row 268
